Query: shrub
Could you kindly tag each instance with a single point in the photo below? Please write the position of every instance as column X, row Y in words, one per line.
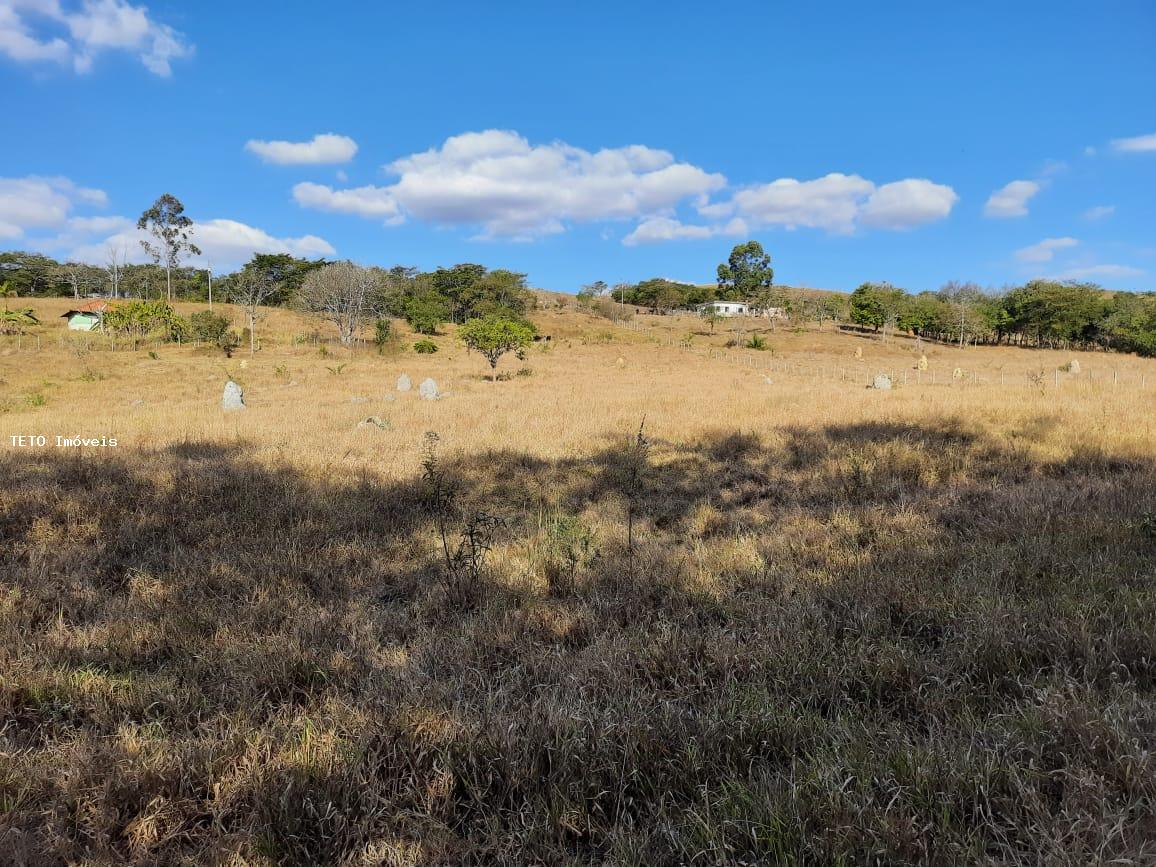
column 141, row 319
column 425, row 347
column 494, row 336
column 381, row 333
column 758, row 343
column 207, row 326
column 425, row 313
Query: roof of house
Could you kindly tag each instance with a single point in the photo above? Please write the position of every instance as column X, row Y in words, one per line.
column 90, row 308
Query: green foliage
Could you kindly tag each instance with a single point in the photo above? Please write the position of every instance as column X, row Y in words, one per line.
column 426, row 312
column 876, row 304
column 282, row 272
column 140, row 319
column 381, row 333
column 494, row 336
column 758, row 343
column 747, row 273
column 425, row 347
column 165, row 220
column 208, row 327
column 17, row 321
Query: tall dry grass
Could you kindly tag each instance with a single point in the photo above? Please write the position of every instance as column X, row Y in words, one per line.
column 848, row 626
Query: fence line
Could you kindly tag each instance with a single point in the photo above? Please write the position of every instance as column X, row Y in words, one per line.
column 865, row 373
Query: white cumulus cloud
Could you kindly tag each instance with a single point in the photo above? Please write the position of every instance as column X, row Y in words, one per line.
column 909, row 203
column 655, row 230
column 1011, row 200
column 1135, row 144
column 1100, row 212
column 1045, row 250
column 322, row 149
column 838, row 203
column 40, row 202
column 370, row 202
column 29, row 32
column 498, row 181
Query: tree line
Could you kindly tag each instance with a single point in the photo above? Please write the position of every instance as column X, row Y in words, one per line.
column 1048, row 313
column 1041, row 313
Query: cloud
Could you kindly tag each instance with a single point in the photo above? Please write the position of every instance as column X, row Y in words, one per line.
column 370, row 202
column 227, row 244
column 40, row 202
column 321, row 149
column 832, row 202
column 93, row 27
column 1100, row 212
column 1011, row 200
column 909, row 203
column 1091, row 272
column 838, row 203
column 1136, row 144
column 498, row 181
column 659, row 229
column 1045, row 250
column 510, row 188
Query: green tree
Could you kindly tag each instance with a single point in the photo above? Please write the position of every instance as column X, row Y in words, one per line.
column 746, row 273
column 494, row 336
column 876, row 304
column 425, row 312
column 30, row 273
column 285, row 273
column 170, row 228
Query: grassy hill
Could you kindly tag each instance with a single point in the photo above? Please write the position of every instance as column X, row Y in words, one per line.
column 689, row 615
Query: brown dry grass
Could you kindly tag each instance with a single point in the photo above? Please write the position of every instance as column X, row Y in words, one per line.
column 856, row 627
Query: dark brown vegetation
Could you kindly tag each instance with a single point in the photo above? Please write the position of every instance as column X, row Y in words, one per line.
column 870, row 644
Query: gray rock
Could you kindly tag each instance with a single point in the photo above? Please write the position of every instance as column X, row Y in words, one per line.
column 429, row 390
column 404, row 383
column 390, row 398
column 882, row 380
column 233, row 398
column 359, row 400
column 374, row 421
column 137, row 402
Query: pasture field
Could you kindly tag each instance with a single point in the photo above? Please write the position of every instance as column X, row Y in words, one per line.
column 634, row 605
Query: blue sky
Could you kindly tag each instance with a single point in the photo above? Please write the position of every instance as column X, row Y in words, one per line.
column 909, row 142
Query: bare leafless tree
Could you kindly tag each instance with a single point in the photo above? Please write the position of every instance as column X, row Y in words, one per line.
column 250, row 290
column 342, row 293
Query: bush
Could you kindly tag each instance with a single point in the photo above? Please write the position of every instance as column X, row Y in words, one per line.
column 207, row 326
column 381, row 333
column 425, row 313
column 758, row 343
column 493, row 337
column 425, row 347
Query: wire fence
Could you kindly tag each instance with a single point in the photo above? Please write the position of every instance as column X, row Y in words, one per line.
column 1087, row 378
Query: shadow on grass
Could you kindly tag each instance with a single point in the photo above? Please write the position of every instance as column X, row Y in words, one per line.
column 873, row 641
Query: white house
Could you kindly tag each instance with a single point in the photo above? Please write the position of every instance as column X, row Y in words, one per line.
column 86, row 317
column 724, row 308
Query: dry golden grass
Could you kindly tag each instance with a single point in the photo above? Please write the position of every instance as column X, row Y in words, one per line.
column 853, row 626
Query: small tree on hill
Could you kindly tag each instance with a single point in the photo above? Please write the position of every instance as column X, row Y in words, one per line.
column 250, row 289
column 493, row 337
